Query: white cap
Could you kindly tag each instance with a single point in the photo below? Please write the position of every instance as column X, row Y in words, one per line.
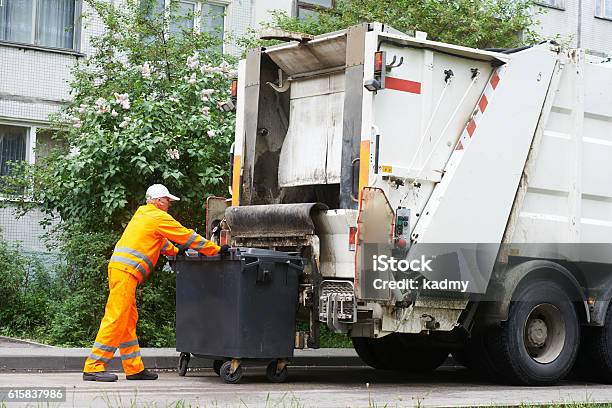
column 159, row 191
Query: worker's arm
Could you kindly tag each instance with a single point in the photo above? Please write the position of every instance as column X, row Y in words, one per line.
column 168, row 249
column 186, row 238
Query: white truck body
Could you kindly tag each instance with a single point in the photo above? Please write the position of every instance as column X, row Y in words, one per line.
column 506, row 151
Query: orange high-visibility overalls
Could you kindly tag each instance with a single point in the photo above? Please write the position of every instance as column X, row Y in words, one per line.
column 148, row 233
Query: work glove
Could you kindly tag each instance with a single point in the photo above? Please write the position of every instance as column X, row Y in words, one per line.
column 181, row 251
column 224, row 250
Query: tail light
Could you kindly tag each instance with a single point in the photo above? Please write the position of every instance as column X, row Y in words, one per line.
column 352, row 238
column 379, row 61
column 225, row 237
column 234, row 88
column 380, row 67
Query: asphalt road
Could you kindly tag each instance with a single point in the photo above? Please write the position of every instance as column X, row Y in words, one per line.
column 320, row 387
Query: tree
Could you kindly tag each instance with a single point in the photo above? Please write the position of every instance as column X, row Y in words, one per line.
column 471, row 23
column 144, row 109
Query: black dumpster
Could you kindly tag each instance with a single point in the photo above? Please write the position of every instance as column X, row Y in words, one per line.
column 238, row 307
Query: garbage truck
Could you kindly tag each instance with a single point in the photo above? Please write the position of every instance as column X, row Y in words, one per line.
column 367, row 148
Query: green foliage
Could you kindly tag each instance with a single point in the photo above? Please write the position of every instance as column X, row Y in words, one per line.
column 471, row 23
column 144, row 110
column 23, row 293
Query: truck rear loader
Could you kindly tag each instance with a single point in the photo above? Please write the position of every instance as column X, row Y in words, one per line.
column 365, row 145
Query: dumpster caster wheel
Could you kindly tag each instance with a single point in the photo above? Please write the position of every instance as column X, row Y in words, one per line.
column 228, row 376
column 275, row 376
column 183, row 363
column 217, row 366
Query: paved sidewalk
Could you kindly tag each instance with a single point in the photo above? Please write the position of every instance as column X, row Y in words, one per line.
column 17, row 356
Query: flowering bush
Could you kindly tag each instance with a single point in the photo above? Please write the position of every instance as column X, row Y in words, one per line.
column 145, row 109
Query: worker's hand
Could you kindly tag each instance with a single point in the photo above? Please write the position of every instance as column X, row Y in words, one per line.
column 224, row 250
column 181, row 252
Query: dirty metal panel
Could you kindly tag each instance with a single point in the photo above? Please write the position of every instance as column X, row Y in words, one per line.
column 215, row 211
column 276, row 220
column 374, row 237
column 332, row 227
column 312, row 149
column 313, row 55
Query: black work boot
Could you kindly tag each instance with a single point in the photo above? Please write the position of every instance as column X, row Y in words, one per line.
column 143, row 375
column 102, row 376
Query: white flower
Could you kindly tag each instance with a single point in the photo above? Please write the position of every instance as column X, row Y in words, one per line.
column 74, row 151
column 146, row 70
column 123, row 100
column 102, row 109
column 173, row 154
column 82, row 109
column 232, row 73
column 224, row 66
column 205, row 110
column 211, row 133
column 114, row 113
column 77, row 125
column 125, row 123
column 192, row 62
column 100, row 102
column 205, row 93
column 206, row 69
column 173, row 99
column 192, row 79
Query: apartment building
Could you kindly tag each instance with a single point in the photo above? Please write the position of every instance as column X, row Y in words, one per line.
column 40, row 40
column 579, row 23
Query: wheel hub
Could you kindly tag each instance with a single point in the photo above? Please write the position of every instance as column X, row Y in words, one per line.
column 544, row 333
column 537, row 332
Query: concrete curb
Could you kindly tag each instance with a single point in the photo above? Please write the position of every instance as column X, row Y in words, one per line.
column 72, row 359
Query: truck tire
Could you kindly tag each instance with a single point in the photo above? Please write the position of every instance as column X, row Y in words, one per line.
column 477, row 357
column 595, row 356
column 538, row 343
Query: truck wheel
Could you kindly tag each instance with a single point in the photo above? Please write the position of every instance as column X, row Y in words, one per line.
column 230, row 378
column 595, row 356
column 479, row 355
column 183, row 363
column 365, row 348
column 538, row 343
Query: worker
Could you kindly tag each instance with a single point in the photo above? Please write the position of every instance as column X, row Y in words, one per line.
column 150, row 232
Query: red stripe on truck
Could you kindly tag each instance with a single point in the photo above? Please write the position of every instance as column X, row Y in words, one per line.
column 494, row 79
column 403, row 85
column 471, row 127
column 482, row 104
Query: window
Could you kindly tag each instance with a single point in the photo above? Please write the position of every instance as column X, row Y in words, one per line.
column 47, row 142
column 39, row 22
column 307, row 8
column 203, row 16
column 558, row 4
column 12, row 146
column 603, row 8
